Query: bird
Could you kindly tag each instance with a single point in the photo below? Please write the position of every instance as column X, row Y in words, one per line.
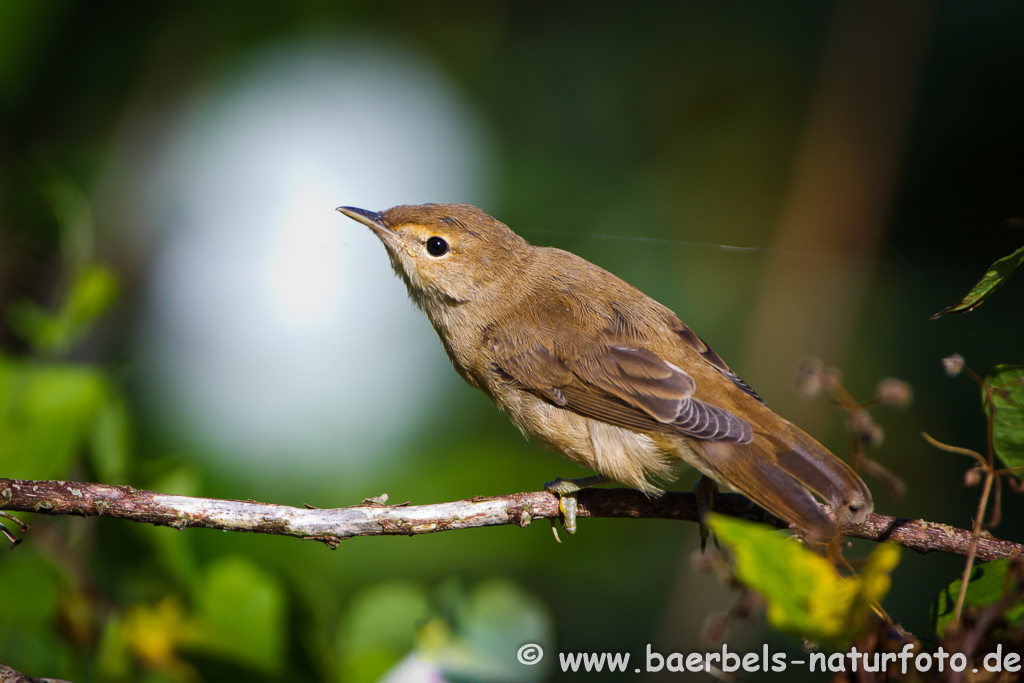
column 594, row 369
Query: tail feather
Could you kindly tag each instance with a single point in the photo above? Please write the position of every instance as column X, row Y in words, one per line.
column 780, row 472
column 826, row 475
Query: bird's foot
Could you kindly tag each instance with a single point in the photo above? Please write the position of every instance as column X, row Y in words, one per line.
column 704, row 490
column 566, row 490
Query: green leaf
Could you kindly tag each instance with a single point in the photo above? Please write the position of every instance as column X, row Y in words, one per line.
column 1003, row 396
column 89, row 295
column 242, row 611
column 805, row 595
column 93, row 292
column 111, row 437
column 113, row 660
column 29, row 321
column 989, row 583
column 31, row 593
column 47, row 413
column 998, row 273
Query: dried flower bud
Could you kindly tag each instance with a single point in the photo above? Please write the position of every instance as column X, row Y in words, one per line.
column 749, row 604
column 808, row 645
column 831, row 379
column 894, row 392
column 873, row 436
column 859, row 420
column 972, row 477
column 870, row 433
column 953, row 365
column 702, row 563
column 715, row 629
column 808, row 377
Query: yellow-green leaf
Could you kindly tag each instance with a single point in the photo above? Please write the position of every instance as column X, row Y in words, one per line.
column 805, row 595
column 155, row 633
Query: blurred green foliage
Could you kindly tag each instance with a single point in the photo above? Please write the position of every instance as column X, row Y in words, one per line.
column 58, row 418
column 33, row 601
column 380, row 629
column 92, row 292
column 52, row 411
column 230, row 610
column 464, row 634
column 641, row 137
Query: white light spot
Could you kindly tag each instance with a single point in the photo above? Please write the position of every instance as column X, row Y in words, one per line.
column 274, row 330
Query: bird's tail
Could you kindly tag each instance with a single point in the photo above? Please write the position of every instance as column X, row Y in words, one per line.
column 780, row 471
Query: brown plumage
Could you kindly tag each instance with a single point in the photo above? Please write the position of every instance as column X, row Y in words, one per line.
column 594, row 369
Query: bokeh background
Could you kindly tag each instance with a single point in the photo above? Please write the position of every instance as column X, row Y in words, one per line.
column 798, row 179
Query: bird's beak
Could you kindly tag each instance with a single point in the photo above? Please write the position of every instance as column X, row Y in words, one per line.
column 370, row 219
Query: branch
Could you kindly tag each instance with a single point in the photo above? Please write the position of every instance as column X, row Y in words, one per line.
column 9, row 675
column 372, row 518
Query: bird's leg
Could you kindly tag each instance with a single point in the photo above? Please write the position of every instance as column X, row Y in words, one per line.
column 704, row 490
column 566, row 490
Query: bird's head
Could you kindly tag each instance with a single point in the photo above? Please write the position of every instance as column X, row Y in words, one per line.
column 447, row 254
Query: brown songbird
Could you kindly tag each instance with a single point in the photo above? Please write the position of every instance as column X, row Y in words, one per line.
column 599, row 372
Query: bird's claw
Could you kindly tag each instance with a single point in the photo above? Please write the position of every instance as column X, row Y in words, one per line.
column 567, row 508
column 566, row 490
column 704, row 490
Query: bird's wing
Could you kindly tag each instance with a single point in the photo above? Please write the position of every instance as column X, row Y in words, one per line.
column 698, row 346
column 623, row 384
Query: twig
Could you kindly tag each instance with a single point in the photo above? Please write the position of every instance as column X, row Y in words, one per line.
column 7, row 534
column 979, row 521
column 925, row 537
column 334, row 525
column 955, row 449
column 972, row 549
column 9, row 675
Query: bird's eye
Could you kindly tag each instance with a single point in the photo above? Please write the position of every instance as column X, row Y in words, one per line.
column 437, row 246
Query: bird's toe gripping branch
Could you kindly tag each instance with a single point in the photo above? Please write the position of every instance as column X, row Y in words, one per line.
column 566, row 490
